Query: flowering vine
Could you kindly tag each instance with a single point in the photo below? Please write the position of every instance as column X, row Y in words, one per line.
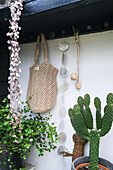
column 16, row 7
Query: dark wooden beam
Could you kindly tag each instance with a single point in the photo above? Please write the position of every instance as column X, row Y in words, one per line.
column 59, row 16
column 32, row 7
column 4, row 72
column 35, row 7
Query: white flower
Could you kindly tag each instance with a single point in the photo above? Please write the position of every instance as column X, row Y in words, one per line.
column 9, row 97
column 17, row 75
column 9, row 48
column 19, row 102
column 19, row 85
column 15, row 8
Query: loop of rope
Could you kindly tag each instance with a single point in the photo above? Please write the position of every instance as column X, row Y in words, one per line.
column 78, row 50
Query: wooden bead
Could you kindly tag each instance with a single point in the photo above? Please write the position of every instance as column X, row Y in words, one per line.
column 74, row 76
column 78, row 85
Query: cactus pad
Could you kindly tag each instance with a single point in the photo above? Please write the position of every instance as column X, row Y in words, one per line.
column 80, row 101
column 110, row 98
column 76, row 108
column 98, row 119
column 72, row 116
column 89, row 118
column 97, row 103
column 81, row 124
column 106, row 120
column 87, row 100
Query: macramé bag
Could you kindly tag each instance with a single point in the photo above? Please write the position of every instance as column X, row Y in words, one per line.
column 42, row 88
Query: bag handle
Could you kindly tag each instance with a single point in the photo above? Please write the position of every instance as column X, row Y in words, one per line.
column 37, row 48
column 44, row 45
column 36, row 51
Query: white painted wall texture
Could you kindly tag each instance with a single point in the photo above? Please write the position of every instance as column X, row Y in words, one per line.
column 96, row 77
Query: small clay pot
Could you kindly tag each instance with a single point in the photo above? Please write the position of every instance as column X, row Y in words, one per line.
column 74, row 76
column 85, row 159
column 78, row 85
column 87, row 164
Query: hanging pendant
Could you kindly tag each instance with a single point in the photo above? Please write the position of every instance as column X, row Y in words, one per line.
column 63, row 72
column 62, row 137
column 62, row 125
column 78, row 85
column 62, row 111
column 74, row 76
column 63, row 46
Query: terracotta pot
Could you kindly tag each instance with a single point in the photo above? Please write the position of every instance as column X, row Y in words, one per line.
column 84, row 160
column 84, row 164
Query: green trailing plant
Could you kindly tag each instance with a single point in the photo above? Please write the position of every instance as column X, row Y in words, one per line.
column 35, row 131
column 82, row 122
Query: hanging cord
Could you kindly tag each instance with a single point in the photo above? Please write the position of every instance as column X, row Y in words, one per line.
column 78, row 50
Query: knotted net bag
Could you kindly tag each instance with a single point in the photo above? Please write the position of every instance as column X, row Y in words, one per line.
column 42, row 87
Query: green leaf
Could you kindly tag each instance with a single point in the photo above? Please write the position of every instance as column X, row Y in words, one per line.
column 5, row 142
column 31, row 140
column 30, row 97
column 24, row 157
column 4, row 163
column 8, row 160
column 10, row 166
column 6, row 123
column 29, row 153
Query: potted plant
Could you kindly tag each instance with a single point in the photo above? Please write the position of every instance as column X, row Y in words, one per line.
column 35, row 131
column 82, row 122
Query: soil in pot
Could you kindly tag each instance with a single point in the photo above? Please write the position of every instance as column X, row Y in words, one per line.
column 86, row 167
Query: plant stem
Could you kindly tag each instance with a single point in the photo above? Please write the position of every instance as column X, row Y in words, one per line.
column 94, row 149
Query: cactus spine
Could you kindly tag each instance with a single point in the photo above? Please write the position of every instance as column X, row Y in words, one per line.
column 82, row 121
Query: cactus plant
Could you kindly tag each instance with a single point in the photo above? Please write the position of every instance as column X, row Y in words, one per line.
column 82, row 122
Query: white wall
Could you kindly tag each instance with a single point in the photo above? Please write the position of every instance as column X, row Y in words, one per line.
column 96, row 70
